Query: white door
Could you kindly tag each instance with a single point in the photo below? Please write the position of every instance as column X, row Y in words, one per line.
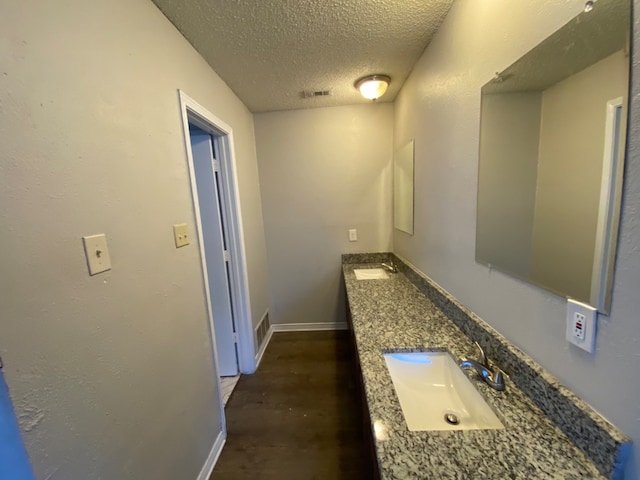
column 215, row 246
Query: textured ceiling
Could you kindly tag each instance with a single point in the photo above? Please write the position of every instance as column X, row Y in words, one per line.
column 270, row 51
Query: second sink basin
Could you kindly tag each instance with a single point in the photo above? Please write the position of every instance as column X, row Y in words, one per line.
column 435, row 394
column 370, row 274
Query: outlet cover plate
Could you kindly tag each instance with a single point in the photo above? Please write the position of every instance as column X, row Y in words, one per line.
column 581, row 325
column 181, row 234
column 97, row 253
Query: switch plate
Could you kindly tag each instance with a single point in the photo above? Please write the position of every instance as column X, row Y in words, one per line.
column 97, row 253
column 181, row 234
column 353, row 235
column 581, row 325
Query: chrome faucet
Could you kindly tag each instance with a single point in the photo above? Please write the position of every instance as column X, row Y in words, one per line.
column 391, row 267
column 495, row 379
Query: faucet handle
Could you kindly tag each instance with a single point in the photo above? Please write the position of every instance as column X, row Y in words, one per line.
column 483, row 357
column 390, row 266
column 498, row 379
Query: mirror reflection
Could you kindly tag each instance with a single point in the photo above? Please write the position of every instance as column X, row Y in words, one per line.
column 403, row 188
column 552, row 135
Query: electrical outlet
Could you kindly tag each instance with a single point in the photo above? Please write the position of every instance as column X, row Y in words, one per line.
column 581, row 325
column 578, row 325
column 353, row 235
column 181, row 234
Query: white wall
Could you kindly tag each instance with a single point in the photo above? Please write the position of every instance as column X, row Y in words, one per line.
column 440, row 104
column 572, row 134
column 322, row 172
column 111, row 376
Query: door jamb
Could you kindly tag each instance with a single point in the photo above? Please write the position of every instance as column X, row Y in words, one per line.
column 192, row 111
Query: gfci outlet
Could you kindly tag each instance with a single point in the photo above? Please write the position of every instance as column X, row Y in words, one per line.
column 578, row 325
column 581, row 325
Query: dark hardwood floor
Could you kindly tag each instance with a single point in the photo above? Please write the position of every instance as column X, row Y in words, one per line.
column 299, row 416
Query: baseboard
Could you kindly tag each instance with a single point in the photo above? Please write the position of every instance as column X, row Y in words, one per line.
column 308, row 327
column 214, row 454
column 263, row 347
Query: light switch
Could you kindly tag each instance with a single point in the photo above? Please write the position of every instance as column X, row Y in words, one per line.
column 181, row 234
column 97, row 253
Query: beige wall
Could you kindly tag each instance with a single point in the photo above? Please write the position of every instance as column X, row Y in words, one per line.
column 111, row 376
column 509, row 137
column 569, row 172
column 440, row 104
column 322, row 172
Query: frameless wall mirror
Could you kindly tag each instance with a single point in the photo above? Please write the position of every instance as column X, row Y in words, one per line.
column 403, row 189
column 552, row 143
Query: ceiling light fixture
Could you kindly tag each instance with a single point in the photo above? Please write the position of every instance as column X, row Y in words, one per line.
column 373, row 86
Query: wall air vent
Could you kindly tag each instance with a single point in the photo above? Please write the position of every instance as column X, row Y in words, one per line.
column 263, row 328
column 316, row 93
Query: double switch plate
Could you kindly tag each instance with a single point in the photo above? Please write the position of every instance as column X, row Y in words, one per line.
column 97, row 251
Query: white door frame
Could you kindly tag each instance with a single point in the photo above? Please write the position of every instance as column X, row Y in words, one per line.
column 193, row 112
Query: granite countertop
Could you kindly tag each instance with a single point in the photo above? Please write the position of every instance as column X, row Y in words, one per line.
column 393, row 315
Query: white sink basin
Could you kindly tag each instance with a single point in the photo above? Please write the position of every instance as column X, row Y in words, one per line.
column 430, row 385
column 370, row 273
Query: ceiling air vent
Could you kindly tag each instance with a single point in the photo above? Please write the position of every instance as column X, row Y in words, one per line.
column 317, row 93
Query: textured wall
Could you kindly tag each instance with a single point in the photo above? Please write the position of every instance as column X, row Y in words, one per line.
column 111, row 376
column 440, row 104
column 322, row 172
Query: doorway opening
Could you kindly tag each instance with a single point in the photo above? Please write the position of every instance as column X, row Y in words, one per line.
column 214, row 190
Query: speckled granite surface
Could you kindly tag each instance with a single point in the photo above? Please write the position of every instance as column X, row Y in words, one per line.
column 367, row 257
column 394, row 314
